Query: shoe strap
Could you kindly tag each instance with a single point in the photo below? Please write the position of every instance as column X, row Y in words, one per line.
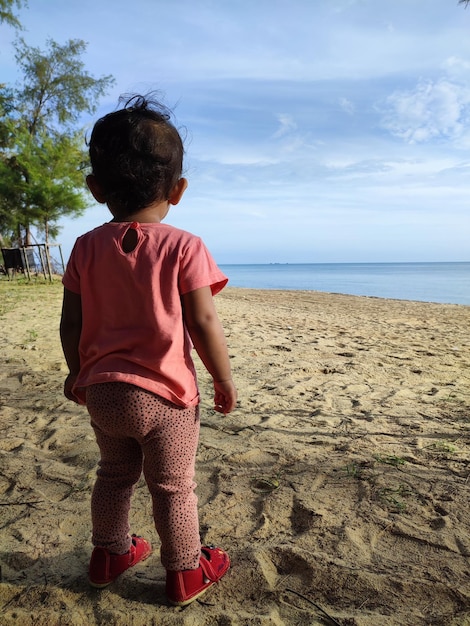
column 207, row 568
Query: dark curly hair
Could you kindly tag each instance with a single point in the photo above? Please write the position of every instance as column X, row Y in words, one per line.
column 136, row 155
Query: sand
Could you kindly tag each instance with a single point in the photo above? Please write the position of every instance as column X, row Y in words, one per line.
column 340, row 485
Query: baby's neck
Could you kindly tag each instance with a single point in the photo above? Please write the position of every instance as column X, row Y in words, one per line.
column 152, row 214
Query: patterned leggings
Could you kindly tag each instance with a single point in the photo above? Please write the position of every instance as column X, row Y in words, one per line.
column 139, row 431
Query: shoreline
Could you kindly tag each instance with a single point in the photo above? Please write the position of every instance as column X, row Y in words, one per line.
column 340, row 294
column 342, row 479
column 57, row 278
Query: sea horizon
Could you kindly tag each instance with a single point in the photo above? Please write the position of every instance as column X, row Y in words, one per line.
column 446, row 282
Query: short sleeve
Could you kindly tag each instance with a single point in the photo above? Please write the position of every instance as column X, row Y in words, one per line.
column 198, row 269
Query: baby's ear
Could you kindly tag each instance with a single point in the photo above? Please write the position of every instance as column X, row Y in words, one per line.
column 95, row 188
column 178, row 191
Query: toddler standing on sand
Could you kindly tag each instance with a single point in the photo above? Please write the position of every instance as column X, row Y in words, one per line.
column 137, row 297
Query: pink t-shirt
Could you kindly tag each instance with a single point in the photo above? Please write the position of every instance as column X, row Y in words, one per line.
column 132, row 321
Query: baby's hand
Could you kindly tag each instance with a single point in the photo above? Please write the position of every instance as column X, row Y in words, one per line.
column 225, row 396
column 69, row 383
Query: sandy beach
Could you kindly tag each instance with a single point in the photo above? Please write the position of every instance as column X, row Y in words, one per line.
column 339, row 486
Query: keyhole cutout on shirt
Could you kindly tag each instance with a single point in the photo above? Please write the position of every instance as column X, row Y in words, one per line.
column 129, row 241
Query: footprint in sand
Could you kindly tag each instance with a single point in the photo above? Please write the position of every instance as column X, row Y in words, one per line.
column 281, row 566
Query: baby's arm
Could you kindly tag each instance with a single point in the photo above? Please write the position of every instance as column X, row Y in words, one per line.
column 208, row 338
column 70, row 331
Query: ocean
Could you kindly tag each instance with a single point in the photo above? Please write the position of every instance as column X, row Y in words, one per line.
column 425, row 282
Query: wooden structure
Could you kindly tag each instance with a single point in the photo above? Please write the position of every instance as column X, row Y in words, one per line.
column 23, row 259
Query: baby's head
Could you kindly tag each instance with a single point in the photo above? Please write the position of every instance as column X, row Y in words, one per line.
column 136, row 156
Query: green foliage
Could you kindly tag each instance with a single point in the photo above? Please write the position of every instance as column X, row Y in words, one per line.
column 6, row 13
column 43, row 179
column 42, row 154
column 56, row 87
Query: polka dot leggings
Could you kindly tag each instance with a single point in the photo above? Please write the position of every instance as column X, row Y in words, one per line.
column 139, row 431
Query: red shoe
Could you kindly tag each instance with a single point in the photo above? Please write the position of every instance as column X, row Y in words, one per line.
column 185, row 586
column 106, row 567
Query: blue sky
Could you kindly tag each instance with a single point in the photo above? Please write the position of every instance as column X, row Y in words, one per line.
column 316, row 130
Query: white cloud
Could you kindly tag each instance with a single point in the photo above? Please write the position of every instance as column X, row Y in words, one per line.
column 433, row 110
column 286, row 125
column 347, row 105
column 456, row 65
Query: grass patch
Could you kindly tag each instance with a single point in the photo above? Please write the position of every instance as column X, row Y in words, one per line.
column 354, row 470
column 32, row 335
column 442, row 447
column 392, row 497
column 19, row 294
column 390, row 459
